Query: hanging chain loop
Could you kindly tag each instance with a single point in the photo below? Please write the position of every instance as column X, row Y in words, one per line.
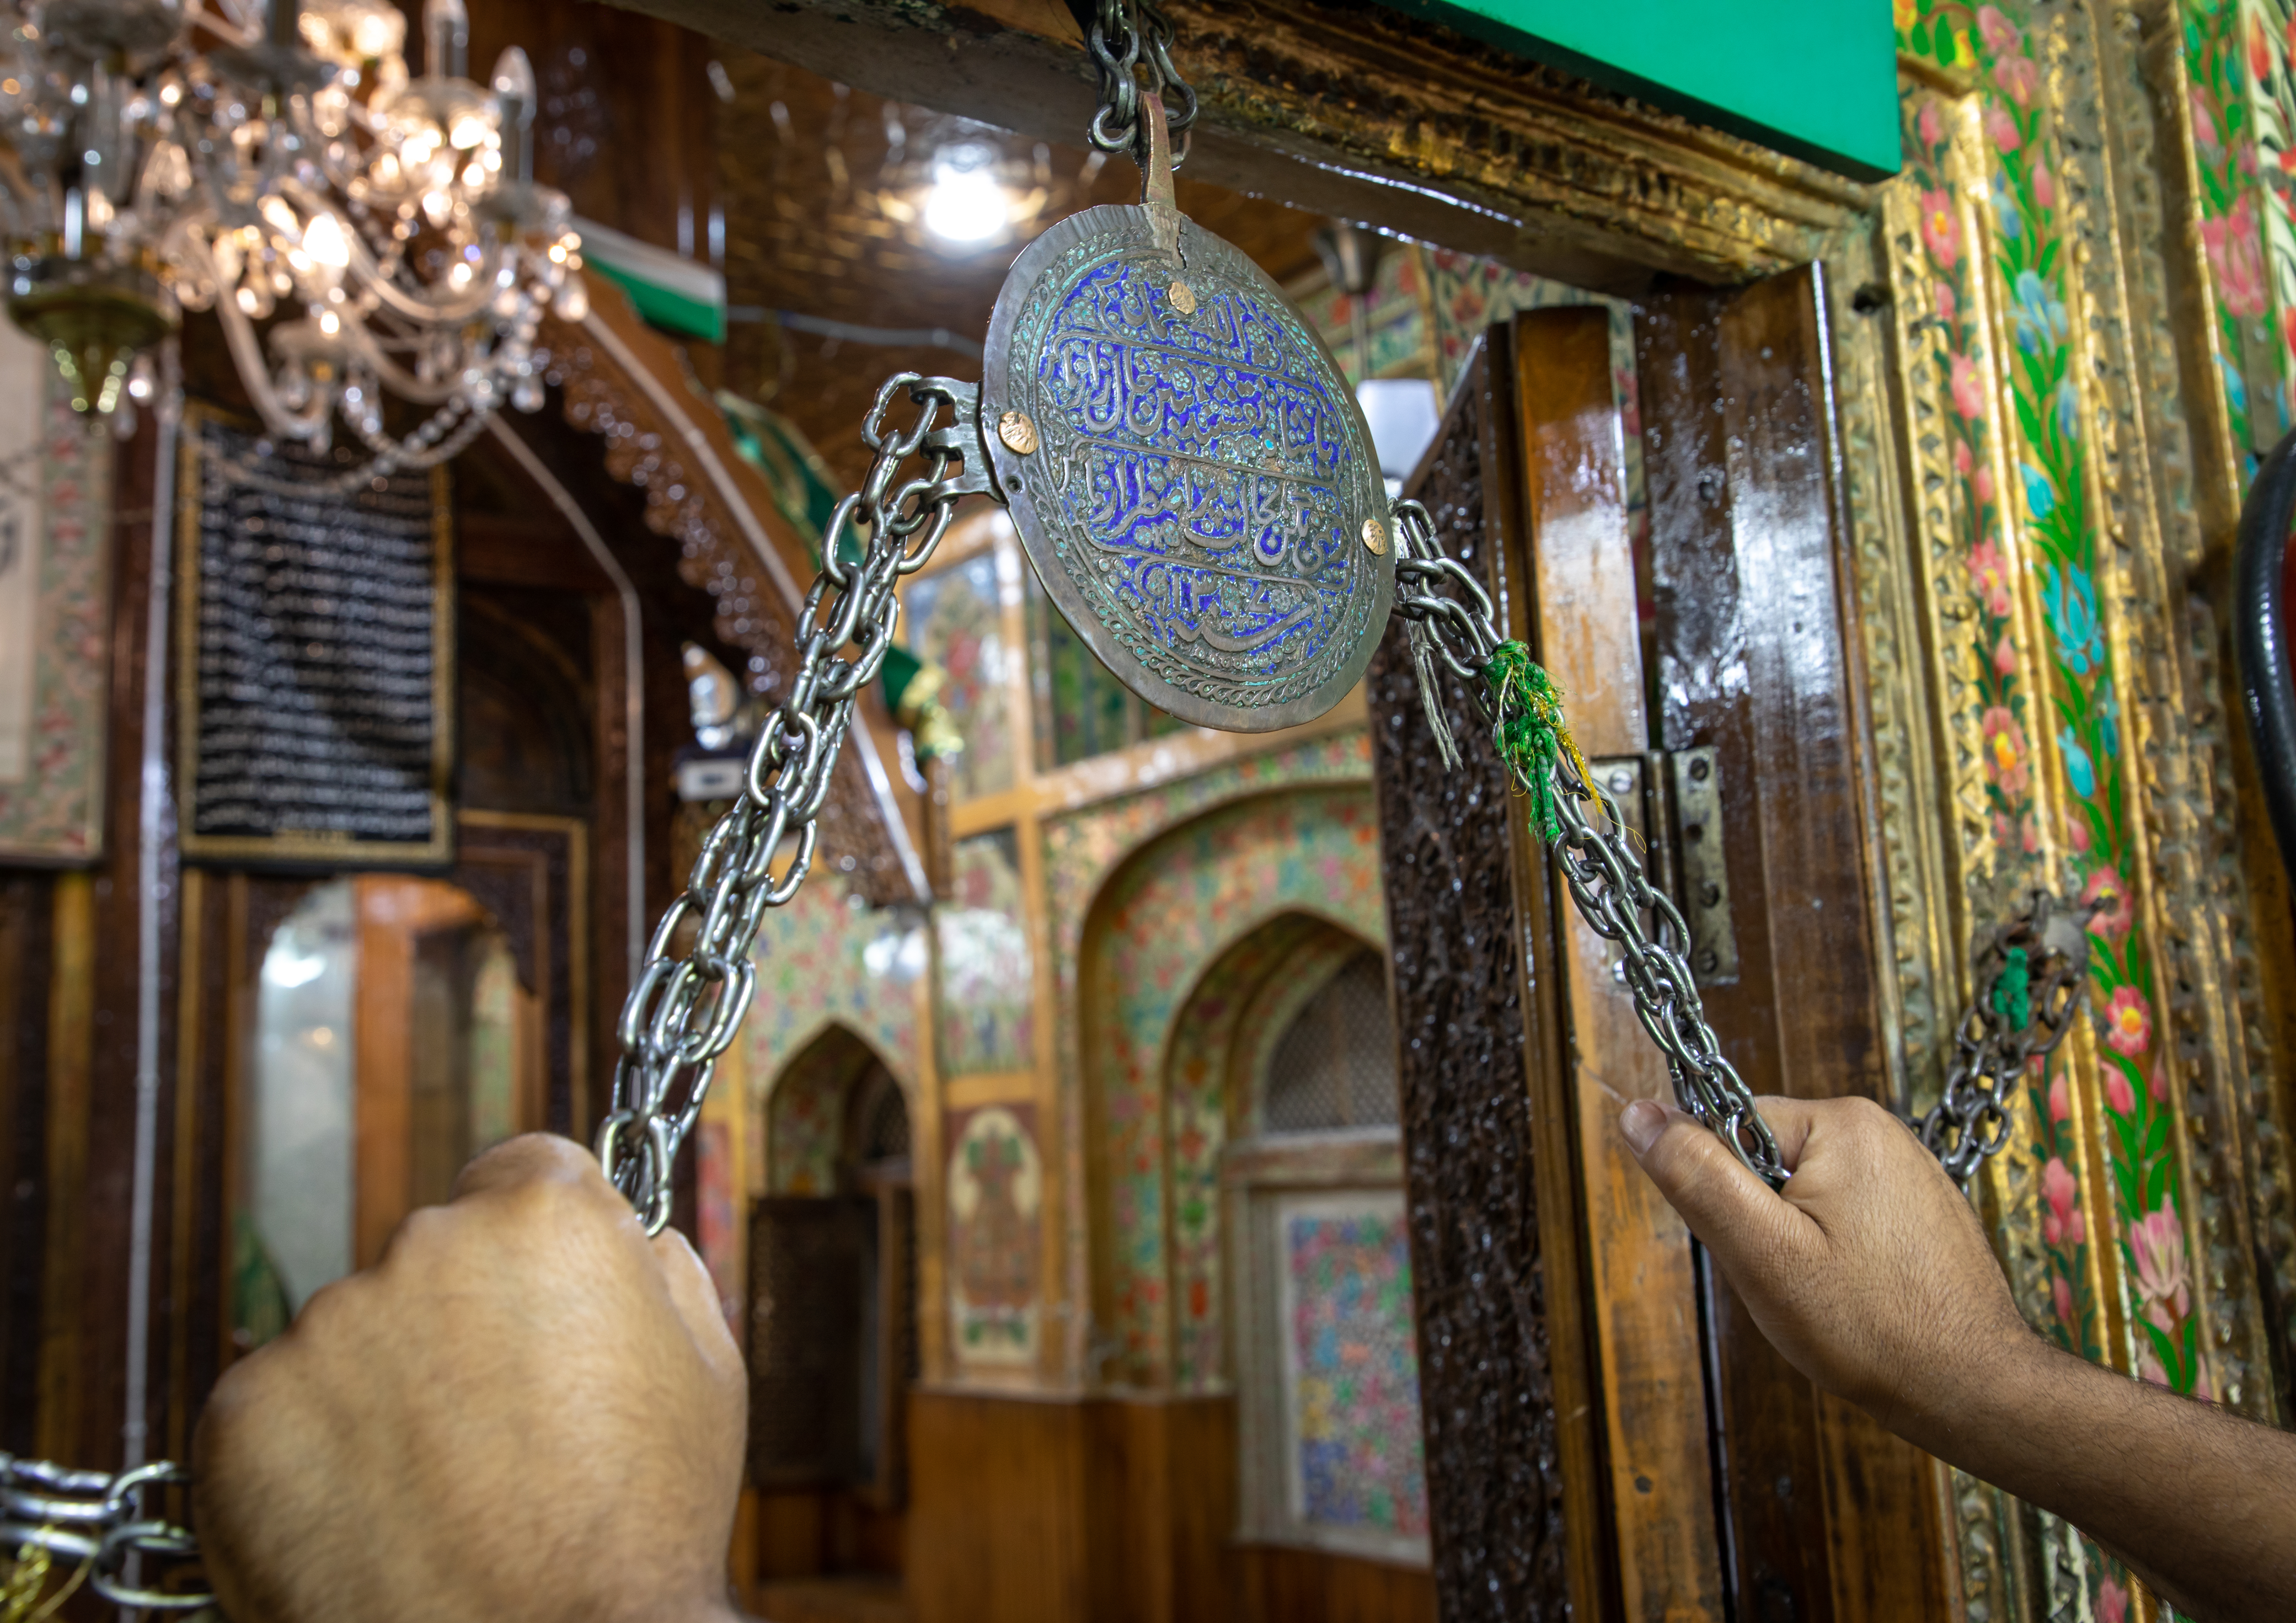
column 698, row 978
column 1126, row 37
column 1605, row 877
column 2030, row 979
column 99, row 1518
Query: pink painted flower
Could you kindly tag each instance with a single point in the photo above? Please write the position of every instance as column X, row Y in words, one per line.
column 2248, row 158
column 2063, row 1225
column 2002, row 129
column 2045, row 187
column 1988, row 572
column 1930, row 122
column 1947, row 306
column 1984, row 483
column 2156, row 1242
column 2127, row 1022
column 1968, row 395
column 2004, row 751
column 2148, row 1368
column 2259, row 49
column 2111, row 1602
column 2204, row 121
column 2117, row 1091
column 2156, row 1084
column 2000, row 33
column 2005, row 656
column 2029, row 833
column 2004, row 832
column 2018, row 78
column 1941, row 229
column 2061, row 1290
column 1962, row 460
column 2077, row 831
column 2061, row 1102
column 2115, row 911
column 2236, row 257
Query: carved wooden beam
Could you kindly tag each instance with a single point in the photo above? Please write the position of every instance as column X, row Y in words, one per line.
column 628, row 383
column 1346, row 108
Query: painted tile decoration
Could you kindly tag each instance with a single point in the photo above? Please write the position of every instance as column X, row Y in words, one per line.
column 995, row 1235
column 1164, row 918
column 806, row 1112
column 1351, row 1364
column 54, row 601
column 829, row 958
column 955, row 621
column 988, row 979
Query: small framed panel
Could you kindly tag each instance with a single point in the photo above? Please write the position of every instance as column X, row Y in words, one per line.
column 315, row 670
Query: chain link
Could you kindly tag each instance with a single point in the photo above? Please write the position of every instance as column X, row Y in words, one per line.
column 1605, row 879
column 698, row 978
column 1971, row 1119
column 99, row 1518
column 1125, row 36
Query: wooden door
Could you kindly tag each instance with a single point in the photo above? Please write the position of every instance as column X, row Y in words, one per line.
column 1605, row 1431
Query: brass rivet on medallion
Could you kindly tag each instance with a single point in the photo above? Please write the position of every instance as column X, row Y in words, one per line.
column 1182, row 298
column 1015, row 429
column 1374, row 537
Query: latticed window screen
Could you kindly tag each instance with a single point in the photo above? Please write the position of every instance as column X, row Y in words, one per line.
column 811, row 1276
column 1334, row 1066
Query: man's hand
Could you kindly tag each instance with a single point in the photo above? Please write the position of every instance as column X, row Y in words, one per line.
column 1870, row 1273
column 527, row 1410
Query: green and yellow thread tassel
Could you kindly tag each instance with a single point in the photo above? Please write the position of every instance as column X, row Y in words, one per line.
column 1529, row 732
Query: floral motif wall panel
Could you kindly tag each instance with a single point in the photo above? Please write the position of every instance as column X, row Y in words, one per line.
column 987, row 977
column 2057, row 540
column 1351, row 1371
column 1167, row 916
column 996, row 1201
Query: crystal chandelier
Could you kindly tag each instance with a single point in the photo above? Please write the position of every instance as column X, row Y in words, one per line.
column 360, row 234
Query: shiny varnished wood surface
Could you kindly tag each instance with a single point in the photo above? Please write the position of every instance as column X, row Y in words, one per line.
column 1826, row 1514
column 1640, row 1281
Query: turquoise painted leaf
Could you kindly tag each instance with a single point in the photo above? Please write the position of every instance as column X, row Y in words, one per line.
column 2070, row 599
column 2079, row 768
column 2040, row 495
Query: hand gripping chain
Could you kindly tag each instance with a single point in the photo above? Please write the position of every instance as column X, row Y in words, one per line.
column 97, row 1521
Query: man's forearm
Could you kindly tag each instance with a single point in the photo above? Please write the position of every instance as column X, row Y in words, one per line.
column 2194, row 1499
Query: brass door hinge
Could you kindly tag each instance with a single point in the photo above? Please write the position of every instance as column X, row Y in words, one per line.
column 1672, row 803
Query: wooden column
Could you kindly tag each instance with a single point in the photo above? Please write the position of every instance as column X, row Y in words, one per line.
column 1828, row 1515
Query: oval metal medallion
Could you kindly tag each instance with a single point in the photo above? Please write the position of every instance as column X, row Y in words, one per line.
column 1200, row 487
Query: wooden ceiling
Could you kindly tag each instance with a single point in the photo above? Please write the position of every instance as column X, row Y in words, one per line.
column 821, row 188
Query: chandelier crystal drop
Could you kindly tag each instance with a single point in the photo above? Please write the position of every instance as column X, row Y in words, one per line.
column 361, row 234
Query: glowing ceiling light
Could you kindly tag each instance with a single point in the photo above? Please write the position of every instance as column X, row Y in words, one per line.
column 966, row 208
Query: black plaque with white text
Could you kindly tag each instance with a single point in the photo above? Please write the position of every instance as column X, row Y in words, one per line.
column 315, row 662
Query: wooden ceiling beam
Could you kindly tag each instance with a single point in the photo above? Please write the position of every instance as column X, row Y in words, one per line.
column 1348, row 109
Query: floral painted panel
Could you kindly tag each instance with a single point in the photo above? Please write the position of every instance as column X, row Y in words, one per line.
column 54, row 597
column 989, row 980
column 957, row 620
column 1350, row 1365
column 829, row 959
column 1396, row 317
column 995, row 1235
column 1162, row 920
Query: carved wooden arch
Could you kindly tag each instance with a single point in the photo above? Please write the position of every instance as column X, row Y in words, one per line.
column 631, row 385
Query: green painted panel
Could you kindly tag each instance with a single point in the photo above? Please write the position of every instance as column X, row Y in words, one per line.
column 1816, row 78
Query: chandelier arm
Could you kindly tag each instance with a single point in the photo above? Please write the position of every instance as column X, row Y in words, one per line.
column 370, row 276
column 247, row 355
column 401, row 381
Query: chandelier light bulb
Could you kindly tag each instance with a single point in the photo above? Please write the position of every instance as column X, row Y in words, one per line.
column 324, row 243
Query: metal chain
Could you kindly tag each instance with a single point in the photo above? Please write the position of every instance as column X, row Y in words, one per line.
column 1125, row 35
column 1605, row 877
column 1971, row 1122
column 99, row 1518
column 689, row 999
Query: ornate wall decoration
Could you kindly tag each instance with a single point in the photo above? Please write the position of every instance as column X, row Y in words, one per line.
column 55, row 616
column 829, row 959
column 988, row 982
column 1159, row 924
column 957, row 623
column 995, row 1201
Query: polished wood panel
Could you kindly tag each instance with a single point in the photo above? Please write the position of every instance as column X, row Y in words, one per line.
column 1310, row 1587
column 999, row 1492
column 1642, row 1280
column 27, row 918
column 1826, row 1514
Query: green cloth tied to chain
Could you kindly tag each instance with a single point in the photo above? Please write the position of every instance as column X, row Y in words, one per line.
column 1530, row 732
column 2013, row 990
